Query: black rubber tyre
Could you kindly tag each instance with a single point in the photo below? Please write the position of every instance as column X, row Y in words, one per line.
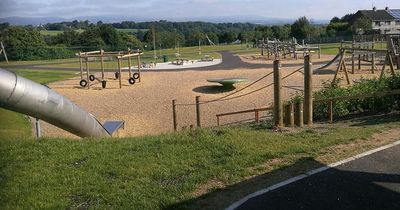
column 104, row 83
column 131, row 81
column 136, row 75
column 92, row 78
column 83, row 83
column 116, row 75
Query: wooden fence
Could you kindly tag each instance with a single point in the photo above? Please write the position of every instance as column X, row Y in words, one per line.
column 255, row 110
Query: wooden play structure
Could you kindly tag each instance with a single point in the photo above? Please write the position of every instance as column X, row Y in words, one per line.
column 365, row 52
column 283, row 49
column 3, row 51
column 86, row 57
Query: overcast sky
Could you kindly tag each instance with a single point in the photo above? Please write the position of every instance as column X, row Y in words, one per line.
column 170, row 9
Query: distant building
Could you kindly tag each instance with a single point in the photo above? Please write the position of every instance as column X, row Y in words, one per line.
column 385, row 21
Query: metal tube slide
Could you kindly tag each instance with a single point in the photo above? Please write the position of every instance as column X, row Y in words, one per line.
column 25, row 96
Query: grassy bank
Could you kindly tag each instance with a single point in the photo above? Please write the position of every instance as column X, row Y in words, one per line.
column 157, row 172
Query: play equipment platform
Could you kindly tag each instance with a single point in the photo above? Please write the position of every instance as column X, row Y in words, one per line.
column 227, row 82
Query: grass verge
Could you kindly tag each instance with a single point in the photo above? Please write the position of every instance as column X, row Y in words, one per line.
column 158, row 172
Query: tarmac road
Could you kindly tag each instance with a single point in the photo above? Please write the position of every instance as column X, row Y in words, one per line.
column 371, row 182
column 230, row 61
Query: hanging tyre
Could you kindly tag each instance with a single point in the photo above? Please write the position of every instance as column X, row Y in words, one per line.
column 104, row 83
column 92, row 78
column 116, row 75
column 136, row 75
column 131, row 81
column 83, row 83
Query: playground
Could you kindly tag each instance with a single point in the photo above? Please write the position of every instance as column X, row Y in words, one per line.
column 146, row 107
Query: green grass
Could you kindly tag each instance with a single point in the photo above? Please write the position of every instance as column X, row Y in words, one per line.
column 154, row 172
column 44, row 76
column 14, row 125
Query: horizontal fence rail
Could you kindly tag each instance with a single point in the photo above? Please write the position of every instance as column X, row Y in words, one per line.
column 255, row 110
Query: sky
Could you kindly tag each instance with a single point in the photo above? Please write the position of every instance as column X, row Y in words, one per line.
column 191, row 9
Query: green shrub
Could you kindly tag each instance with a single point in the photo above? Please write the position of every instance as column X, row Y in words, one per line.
column 363, row 86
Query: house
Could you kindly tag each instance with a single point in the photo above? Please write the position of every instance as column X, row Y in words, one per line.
column 385, row 21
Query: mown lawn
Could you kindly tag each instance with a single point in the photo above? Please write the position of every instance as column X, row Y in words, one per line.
column 154, row 172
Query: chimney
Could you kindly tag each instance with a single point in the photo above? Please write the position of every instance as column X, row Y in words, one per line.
column 386, row 8
column 374, row 8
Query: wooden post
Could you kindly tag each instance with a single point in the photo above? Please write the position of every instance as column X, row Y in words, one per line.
column 257, row 115
column 330, row 111
column 359, row 62
column 174, row 115
column 198, row 111
column 278, row 109
column 308, row 91
column 217, row 120
column 373, row 63
column 262, row 47
column 391, row 63
column 4, row 51
column 119, row 72
column 102, row 63
column 289, row 115
column 298, row 114
column 139, row 66
column 87, row 71
column 129, row 65
column 81, row 65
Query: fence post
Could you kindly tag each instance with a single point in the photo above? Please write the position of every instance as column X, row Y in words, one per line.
column 198, row 111
column 278, row 109
column 298, row 114
column 174, row 114
column 289, row 115
column 308, row 96
column 37, row 126
column 256, row 115
column 330, row 111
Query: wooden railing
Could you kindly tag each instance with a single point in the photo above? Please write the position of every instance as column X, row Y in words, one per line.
column 255, row 110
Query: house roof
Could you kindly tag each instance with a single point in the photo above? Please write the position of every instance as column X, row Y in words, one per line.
column 395, row 13
column 376, row 15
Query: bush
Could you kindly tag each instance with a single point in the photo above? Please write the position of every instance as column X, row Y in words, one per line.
column 364, row 86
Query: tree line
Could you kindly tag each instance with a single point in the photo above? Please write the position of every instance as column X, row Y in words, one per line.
column 27, row 43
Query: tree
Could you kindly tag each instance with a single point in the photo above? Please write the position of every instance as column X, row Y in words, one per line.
column 131, row 41
column 361, row 25
column 110, row 36
column 23, row 44
column 301, row 28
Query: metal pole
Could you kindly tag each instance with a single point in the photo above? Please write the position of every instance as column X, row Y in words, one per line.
column 278, row 109
column 198, row 111
column 38, row 130
column 174, row 115
column 308, row 97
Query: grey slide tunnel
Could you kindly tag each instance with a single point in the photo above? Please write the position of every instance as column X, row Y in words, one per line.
column 25, row 96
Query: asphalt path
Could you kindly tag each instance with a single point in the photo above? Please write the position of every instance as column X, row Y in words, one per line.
column 371, row 182
column 230, row 61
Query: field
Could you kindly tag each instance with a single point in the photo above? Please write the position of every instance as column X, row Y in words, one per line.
column 55, row 32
